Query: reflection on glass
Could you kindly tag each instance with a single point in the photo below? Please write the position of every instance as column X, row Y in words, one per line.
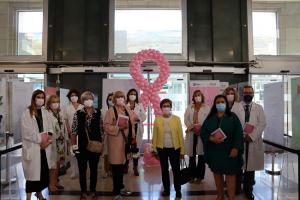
column 140, row 29
column 30, row 28
column 264, row 33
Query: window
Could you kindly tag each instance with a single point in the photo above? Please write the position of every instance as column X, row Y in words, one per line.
column 148, row 24
column 30, row 29
column 264, row 33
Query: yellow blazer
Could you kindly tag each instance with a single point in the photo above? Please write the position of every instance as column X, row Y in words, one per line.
column 177, row 135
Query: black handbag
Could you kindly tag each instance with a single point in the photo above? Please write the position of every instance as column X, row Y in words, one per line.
column 185, row 173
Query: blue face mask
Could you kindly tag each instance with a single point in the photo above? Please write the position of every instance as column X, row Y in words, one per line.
column 221, row 107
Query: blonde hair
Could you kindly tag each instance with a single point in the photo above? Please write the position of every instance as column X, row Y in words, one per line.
column 50, row 100
column 117, row 94
column 236, row 94
column 84, row 96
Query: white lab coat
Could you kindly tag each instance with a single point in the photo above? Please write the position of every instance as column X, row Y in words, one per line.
column 140, row 112
column 31, row 139
column 189, row 136
column 258, row 120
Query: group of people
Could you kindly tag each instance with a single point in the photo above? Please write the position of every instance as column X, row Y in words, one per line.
column 227, row 137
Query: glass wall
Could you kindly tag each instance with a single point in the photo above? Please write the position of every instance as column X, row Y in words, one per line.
column 148, row 24
column 276, row 27
column 21, row 27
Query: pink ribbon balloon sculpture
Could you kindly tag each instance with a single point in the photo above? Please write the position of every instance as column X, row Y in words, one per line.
column 150, row 91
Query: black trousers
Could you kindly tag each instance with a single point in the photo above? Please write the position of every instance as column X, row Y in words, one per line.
column 117, row 173
column 83, row 158
column 198, row 170
column 173, row 155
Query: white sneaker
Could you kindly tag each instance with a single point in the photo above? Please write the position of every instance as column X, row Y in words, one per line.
column 118, row 197
column 125, row 192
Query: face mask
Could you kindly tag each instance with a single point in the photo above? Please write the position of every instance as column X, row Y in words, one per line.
column 248, row 98
column 88, row 103
column 230, row 98
column 221, row 107
column 120, row 101
column 132, row 97
column 39, row 102
column 198, row 99
column 166, row 110
column 74, row 99
column 110, row 103
column 54, row 106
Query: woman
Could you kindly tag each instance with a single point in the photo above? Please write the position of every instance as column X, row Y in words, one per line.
column 167, row 141
column 135, row 142
column 68, row 113
column 117, row 135
column 223, row 156
column 194, row 117
column 87, row 125
column 231, row 96
column 58, row 143
column 36, row 146
column 107, row 168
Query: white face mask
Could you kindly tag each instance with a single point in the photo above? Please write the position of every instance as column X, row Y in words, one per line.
column 132, row 97
column 230, row 97
column 74, row 99
column 120, row 101
column 88, row 103
column 39, row 102
column 166, row 110
column 198, row 99
column 54, row 106
column 110, row 103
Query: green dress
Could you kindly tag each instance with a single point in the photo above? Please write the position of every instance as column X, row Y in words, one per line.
column 217, row 155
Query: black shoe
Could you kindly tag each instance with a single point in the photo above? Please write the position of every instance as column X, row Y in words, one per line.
column 250, row 196
column 178, row 195
column 165, row 193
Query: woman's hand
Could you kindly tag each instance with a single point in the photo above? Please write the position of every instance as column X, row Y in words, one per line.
column 215, row 140
column 44, row 145
column 190, row 127
column 234, row 152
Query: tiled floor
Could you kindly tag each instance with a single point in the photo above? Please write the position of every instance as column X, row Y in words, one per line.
column 148, row 185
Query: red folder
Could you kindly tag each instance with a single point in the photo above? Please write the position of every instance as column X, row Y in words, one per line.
column 122, row 120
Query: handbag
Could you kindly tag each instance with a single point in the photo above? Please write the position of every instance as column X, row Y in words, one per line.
column 185, row 173
column 93, row 146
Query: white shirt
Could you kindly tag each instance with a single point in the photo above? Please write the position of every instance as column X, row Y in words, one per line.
column 168, row 143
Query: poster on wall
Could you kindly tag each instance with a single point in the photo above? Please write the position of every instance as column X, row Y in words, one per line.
column 19, row 90
column 209, row 88
column 295, row 100
column 274, row 98
column 49, row 91
column 64, row 101
column 112, row 85
column 223, row 86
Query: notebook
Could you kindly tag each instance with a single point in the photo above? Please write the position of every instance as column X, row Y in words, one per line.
column 122, row 120
column 218, row 133
column 248, row 128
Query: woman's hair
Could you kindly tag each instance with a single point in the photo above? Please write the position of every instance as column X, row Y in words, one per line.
column 32, row 107
column 50, row 100
column 109, row 95
column 116, row 95
column 202, row 96
column 85, row 95
column 131, row 90
column 165, row 101
column 73, row 91
column 236, row 94
column 213, row 109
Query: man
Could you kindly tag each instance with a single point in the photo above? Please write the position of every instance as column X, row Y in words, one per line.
column 252, row 116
